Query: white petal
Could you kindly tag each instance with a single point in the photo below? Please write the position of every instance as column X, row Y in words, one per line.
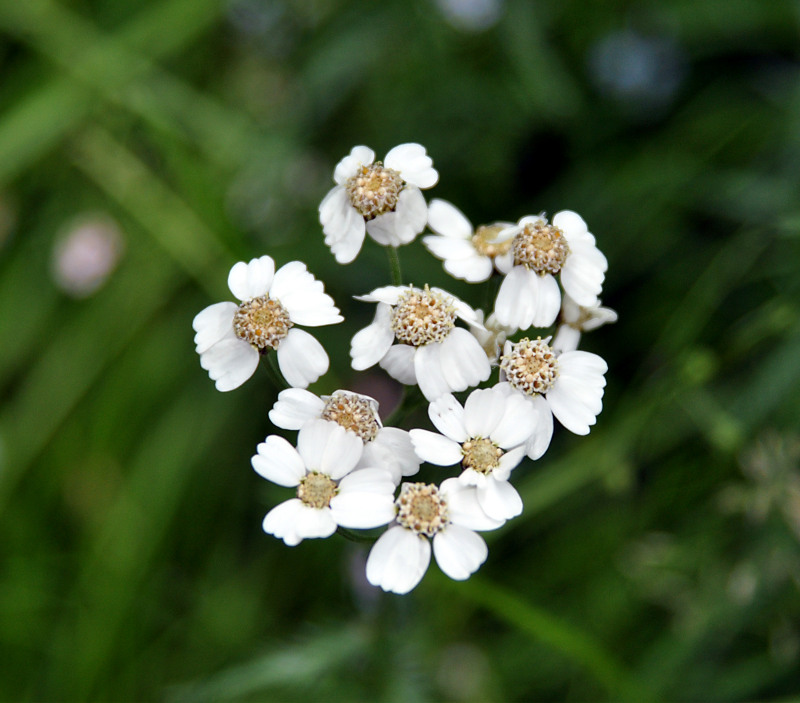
column 251, row 279
column 303, row 296
column 515, row 304
column 473, row 269
column 435, row 448
column 414, row 165
column 447, row 416
column 548, row 300
column 539, row 441
column 517, row 423
column 583, row 366
column 448, row 247
column 359, row 156
column 393, row 450
column 365, row 499
column 370, row 344
column 230, row 362
column 412, row 211
column 446, row 219
column 342, row 224
column 508, row 462
column 398, row 560
column 583, row 274
column 428, row 370
column 282, row 521
column 294, row 407
column 459, row 552
column 213, row 324
column 575, row 406
column 567, row 338
column 463, row 506
column 399, row 364
column 504, row 262
column 301, row 358
column 483, row 410
column 463, row 361
column 385, row 294
column 278, row 461
column 499, row 500
column 314, row 523
column 328, row 448
column 571, row 224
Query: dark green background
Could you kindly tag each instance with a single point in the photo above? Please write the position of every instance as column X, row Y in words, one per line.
column 656, row 559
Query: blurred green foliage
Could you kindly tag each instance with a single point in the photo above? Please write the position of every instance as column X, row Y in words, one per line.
column 657, row 559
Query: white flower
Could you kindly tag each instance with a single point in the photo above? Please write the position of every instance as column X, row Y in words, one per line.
column 381, row 199
column 450, row 515
column 529, row 295
column 432, row 351
column 231, row 338
column 576, row 319
column 384, row 447
column 467, row 253
column 329, row 491
column 487, row 436
column 568, row 385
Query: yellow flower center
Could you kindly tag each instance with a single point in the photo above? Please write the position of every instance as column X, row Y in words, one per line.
column 421, row 508
column 262, row 321
column 354, row 413
column 423, row 316
column 541, row 247
column 374, row 190
column 316, row 490
column 531, row 366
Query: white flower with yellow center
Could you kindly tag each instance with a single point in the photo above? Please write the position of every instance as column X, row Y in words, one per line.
column 330, row 492
column 384, row 447
column 468, row 253
column 382, row 199
column 231, row 338
column 576, row 319
column 529, row 295
column 567, row 385
column 449, row 517
column 430, row 351
column 486, row 436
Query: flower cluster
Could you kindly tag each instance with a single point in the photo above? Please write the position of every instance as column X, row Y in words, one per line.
column 347, row 469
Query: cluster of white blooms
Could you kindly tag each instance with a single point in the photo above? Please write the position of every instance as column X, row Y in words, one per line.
column 346, row 468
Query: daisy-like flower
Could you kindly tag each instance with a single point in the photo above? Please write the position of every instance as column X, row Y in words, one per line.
column 431, row 350
column 382, row 199
column 486, row 436
column 576, row 319
column 450, row 515
column 385, row 447
column 529, row 295
column 330, row 492
column 568, row 385
column 231, row 338
column 468, row 253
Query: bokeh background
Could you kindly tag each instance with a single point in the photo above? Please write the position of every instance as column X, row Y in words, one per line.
column 145, row 146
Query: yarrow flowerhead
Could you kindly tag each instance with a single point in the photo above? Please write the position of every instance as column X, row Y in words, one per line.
column 468, row 253
column 450, row 516
column 385, row 447
column 529, row 294
column 382, row 199
column 331, row 491
column 430, row 351
column 231, row 338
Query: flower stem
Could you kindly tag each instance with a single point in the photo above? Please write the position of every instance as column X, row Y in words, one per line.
column 394, row 266
column 274, row 372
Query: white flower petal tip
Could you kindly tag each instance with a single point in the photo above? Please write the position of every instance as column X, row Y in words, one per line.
column 379, row 199
column 398, row 560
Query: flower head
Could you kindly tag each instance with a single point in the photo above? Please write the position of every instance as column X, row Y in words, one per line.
column 385, row 447
column 568, row 385
column 330, row 492
column 486, row 436
column 447, row 516
column 529, row 295
column 430, row 351
column 231, row 338
column 468, row 253
column 382, row 199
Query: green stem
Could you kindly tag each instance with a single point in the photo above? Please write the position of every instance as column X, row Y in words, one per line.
column 355, row 536
column 274, row 372
column 394, row 266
